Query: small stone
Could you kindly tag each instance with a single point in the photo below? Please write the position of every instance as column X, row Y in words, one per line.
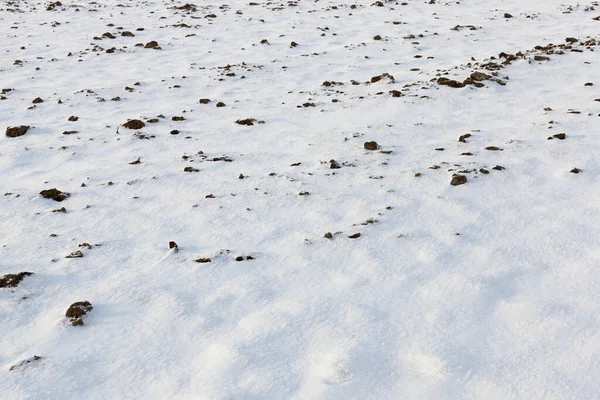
column 204, row 101
column 334, row 164
column 38, row 100
column 328, row 235
column 241, row 176
column 73, row 118
column 484, row 171
column 575, row 170
column 203, row 260
column 507, row 15
column 499, row 168
column 220, row 104
column 173, row 245
column 354, row 235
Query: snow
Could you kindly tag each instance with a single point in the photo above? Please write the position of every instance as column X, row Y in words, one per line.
column 483, row 290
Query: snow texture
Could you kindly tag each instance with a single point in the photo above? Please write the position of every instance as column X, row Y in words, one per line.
column 484, row 290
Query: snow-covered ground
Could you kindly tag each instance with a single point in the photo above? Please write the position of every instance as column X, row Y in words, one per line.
column 484, row 290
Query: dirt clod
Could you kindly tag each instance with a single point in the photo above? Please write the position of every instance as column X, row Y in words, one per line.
column 458, row 180
column 25, row 363
column 247, row 121
column 152, row 45
column 54, row 194
column 78, row 310
column 13, row 280
column 371, row 145
column 16, row 131
column 134, row 124
column 75, row 254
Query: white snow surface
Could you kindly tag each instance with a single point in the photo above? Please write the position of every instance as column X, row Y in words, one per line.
column 487, row 290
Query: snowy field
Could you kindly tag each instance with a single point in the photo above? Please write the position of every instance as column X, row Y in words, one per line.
column 245, row 134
